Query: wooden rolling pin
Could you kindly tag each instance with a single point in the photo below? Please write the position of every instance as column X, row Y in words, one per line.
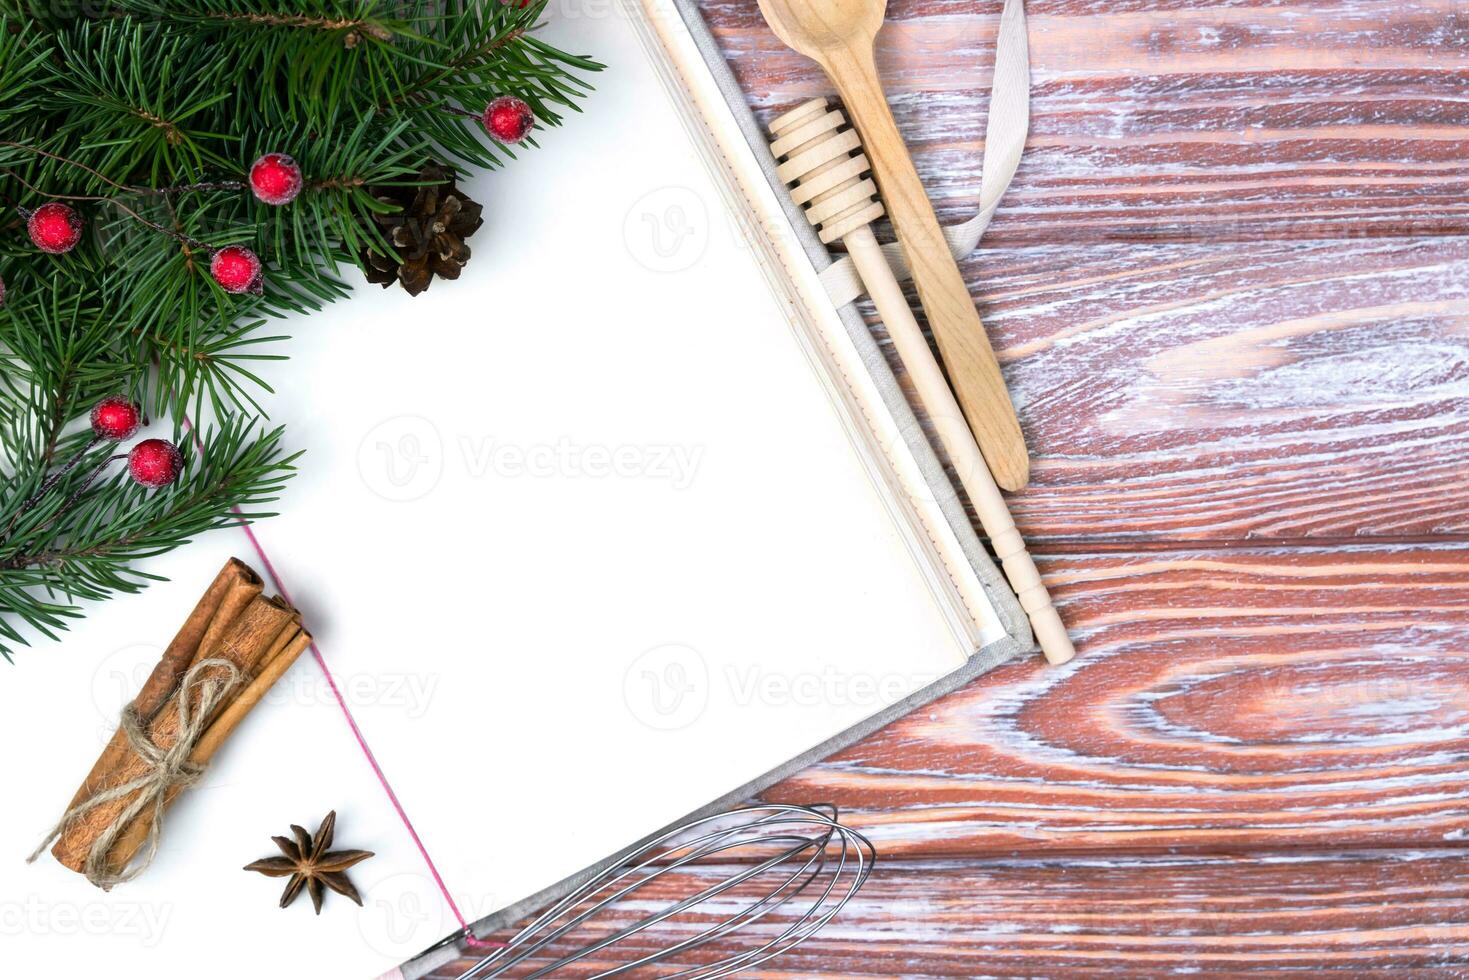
column 821, row 157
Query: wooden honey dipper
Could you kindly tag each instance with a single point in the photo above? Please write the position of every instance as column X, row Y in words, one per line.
column 821, row 158
column 840, row 36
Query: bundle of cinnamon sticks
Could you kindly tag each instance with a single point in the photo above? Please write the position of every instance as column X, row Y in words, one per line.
column 237, row 643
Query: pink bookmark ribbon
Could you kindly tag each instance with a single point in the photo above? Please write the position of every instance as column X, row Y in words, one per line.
column 280, row 588
column 367, row 753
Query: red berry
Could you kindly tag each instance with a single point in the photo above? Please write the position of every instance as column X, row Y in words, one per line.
column 115, row 418
column 275, row 178
column 55, row 228
column 236, row 269
column 155, row 463
column 509, row 119
column 2, row 292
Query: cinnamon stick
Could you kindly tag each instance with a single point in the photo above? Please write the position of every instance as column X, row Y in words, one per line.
column 243, row 643
column 234, row 586
column 232, row 589
column 272, row 667
column 229, row 612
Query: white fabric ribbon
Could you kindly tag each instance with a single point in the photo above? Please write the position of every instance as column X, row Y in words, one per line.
column 1005, row 131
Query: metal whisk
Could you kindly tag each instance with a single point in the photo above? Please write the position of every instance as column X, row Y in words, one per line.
column 793, row 858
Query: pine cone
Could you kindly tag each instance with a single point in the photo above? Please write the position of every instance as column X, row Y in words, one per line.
column 427, row 232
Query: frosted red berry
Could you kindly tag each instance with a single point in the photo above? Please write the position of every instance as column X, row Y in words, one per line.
column 275, row 179
column 236, row 269
column 115, row 418
column 54, row 228
column 155, row 463
column 509, row 119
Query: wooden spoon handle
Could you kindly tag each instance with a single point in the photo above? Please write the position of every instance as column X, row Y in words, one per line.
column 973, row 370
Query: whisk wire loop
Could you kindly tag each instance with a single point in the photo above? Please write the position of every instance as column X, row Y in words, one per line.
column 816, row 864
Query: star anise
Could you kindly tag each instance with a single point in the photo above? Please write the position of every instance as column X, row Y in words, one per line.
column 310, row 863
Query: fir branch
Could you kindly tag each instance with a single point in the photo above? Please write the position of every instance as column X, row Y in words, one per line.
column 147, row 115
column 83, row 541
column 350, row 28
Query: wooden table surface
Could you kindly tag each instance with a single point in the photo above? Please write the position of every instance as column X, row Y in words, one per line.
column 1230, row 289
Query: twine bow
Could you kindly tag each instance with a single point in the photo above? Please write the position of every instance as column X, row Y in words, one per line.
column 1005, row 130
column 204, row 688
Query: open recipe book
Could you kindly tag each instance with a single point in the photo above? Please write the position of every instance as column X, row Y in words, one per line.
column 625, row 523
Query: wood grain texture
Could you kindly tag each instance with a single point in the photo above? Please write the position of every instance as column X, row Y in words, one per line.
column 1248, row 323
column 1259, row 761
column 1237, row 391
column 1219, row 699
column 1180, row 120
column 1273, row 914
column 1230, row 291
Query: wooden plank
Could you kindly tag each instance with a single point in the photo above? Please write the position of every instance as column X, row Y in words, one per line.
column 1230, row 391
column 1281, row 386
column 1219, row 699
column 1277, row 913
column 1177, row 120
column 1230, row 336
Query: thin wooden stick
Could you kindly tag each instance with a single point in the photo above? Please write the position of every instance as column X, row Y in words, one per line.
column 824, row 160
column 938, row 400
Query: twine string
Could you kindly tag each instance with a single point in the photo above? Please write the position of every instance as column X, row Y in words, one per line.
column 204, row 688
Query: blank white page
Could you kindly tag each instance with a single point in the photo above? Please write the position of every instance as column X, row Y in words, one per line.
column 582, row 537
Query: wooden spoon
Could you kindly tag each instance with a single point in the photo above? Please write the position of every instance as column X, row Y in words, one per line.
column 839, row 35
